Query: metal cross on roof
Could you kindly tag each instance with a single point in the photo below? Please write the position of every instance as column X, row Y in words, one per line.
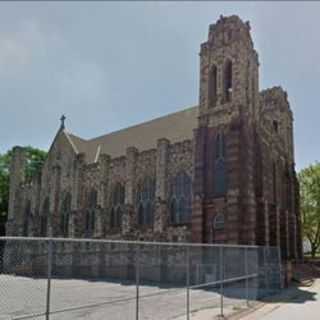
column 62, row 119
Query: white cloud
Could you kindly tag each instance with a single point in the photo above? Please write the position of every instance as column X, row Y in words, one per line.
column 18, row 48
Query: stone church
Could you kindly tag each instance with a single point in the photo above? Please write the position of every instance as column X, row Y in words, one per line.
column 219, row 172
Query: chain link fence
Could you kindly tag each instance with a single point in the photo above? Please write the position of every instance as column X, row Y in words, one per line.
column 43, row 278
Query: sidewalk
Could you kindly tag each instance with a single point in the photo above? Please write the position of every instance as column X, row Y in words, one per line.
column 293, row 303
column 297, row 303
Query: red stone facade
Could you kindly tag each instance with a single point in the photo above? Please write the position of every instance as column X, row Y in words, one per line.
column 260, row 203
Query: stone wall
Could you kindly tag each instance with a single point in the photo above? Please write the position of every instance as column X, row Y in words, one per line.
column 66, row 172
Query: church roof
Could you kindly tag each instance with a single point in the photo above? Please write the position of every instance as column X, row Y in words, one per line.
column 175, row 127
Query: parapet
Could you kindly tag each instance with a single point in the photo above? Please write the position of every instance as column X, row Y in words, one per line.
column 229, row 29
column 275, row 96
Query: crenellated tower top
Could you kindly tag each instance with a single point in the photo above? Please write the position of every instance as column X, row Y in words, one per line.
column 229, row 67
column 227, row 30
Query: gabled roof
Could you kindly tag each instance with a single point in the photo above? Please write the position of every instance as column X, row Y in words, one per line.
column 175, row 127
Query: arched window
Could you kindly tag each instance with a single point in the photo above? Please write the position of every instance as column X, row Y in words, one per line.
column 145, row 201
column 227, row 81
column 65, row 215
column 181, row 198
column 92, row 203
column 44, row 218
column 118, row 198
column 27, row 216
column 93, row 198
column 274, row 182
column 220, row 179
column 218, row 222
column 287, row 191
column 140, row 214
column 212, row 89
column 173, row 210
column 220, row 146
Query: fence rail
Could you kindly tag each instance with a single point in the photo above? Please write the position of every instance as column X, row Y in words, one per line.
column 130, row 279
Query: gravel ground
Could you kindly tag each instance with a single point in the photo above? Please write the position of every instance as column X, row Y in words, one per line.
column 21, row 296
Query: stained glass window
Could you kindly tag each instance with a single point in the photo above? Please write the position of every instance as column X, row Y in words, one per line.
column 212, row 89
column 218, row 222
column 118, row 198
column 27, row 216
column 227, row 80
column 145, row 201
column 220, row 179
column 91, row 212
column 181, row 198
column 65, row 215
column 44, row 218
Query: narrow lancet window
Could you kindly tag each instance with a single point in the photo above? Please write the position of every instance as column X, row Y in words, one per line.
column 44, row 218
column 274, row 181
column 92, row 204
column 145, row 201
column 27, row 217
column 212, row 89
column 181, row 198
column 65, row 215
column 220, row 179
column 118, row 199
column 218, row 222
column 227, row 81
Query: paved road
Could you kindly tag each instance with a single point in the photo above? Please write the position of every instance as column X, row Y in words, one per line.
column 305, row 305
column 21, row 296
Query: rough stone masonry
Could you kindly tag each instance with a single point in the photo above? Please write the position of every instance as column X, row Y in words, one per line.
column 219, row 172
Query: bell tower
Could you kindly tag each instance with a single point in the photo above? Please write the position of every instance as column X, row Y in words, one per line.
column 224, row 159
column 228, row 66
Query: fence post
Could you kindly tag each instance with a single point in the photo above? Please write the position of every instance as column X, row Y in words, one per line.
column 266, row 269
column 246, row 274
column 188, row 281
column 49, row 278
column 137, row 280
column 280, row 266
column 198, row 273
column 221, row 280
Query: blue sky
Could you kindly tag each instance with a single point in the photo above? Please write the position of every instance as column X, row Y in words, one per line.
column 109, row 65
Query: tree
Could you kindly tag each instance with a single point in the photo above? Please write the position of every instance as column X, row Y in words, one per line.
column 35, row 159
column 309, row 179
column 4, row 183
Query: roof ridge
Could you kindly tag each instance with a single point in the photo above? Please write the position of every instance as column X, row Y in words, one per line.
column 69, row 138
column 142, row 123
column 176, row 126
column 74, row 135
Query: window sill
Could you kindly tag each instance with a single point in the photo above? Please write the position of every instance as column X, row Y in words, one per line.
column 113, row 230
column 180, row 224
column 144, row 227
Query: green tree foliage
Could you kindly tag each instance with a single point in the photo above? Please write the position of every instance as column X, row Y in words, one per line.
column 4, row 184
column 35, row 159
column 309, row 179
